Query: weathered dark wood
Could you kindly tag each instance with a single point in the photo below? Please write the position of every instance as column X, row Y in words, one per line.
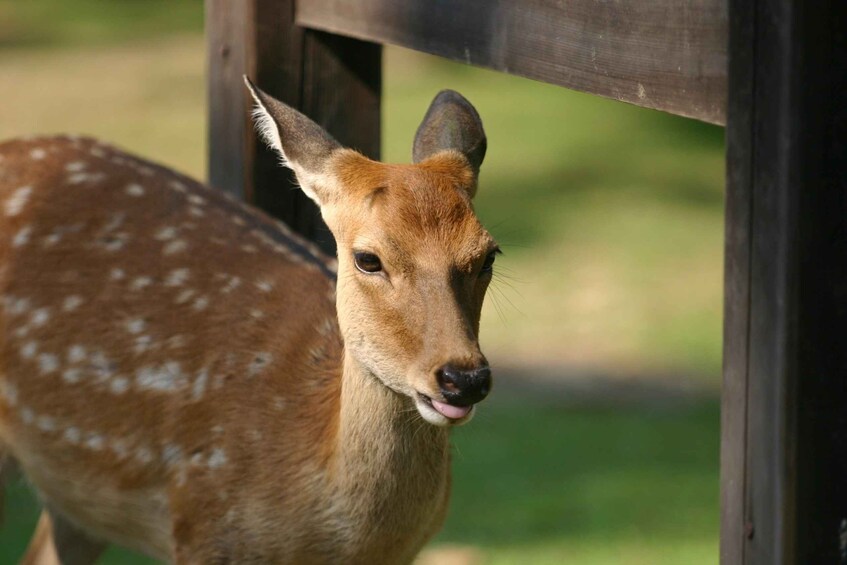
column 334, row 80
column 739, row 142
column 664, row 54
column 786, row 284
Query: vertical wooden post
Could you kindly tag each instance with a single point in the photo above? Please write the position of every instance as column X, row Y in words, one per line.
column 784, row 437
column 334, row 80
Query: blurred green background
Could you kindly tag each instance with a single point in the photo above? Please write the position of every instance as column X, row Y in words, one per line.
column 600, row 443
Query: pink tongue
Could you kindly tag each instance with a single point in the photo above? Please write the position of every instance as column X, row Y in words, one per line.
column 454, row 412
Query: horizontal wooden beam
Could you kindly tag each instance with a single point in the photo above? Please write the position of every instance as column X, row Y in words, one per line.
column 668, row 55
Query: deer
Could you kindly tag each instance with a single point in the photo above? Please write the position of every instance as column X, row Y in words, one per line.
column 184, row 376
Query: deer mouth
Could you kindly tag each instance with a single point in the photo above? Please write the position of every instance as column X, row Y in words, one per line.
column 442, row 413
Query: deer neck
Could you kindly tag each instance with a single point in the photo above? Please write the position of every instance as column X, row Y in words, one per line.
column 390, row 466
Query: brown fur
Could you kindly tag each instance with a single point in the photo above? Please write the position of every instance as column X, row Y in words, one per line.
column 256, row 435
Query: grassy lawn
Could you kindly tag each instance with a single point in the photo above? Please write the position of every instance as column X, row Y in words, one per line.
column 611, row 219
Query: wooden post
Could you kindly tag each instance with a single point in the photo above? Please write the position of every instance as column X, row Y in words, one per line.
column 334, row 80
column 784, row 437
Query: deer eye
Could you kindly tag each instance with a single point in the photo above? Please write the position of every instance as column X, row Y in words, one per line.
column 367, row 262
column 488, row 265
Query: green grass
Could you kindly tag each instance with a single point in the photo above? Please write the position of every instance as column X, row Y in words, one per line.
column 551, row 484
column 28, row 24
column 611, row 219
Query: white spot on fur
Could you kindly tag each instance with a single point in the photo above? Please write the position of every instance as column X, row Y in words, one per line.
column 119, row 385
column 101, row 366
column 177, row 277
column 172, row 455
column 165, row 233
column 316, row 353
column 258, row 364
column 238, row 220
column 71, row 303
column 184, row 296
column 264, row 286
column 97, row 152
column 257, row 314
column 40, row 317
column 249, row 248
column 76, row 354
column 116, row 274
column 115, row 242
column 196, row 200
column 199, row 387
column 177, row 186
column 29, row 350
column 27, row 415
column 75, row 166
column 22, row 237
column 327, row 327
column 9, row 392
column 164, row 378
column 94, row 442
column 79, row 178
column 135, row 189
column 37, row 154
column 175, row 246
column 231, row 285
column 46, row 424
column 176, row 341
column 201, row 303
column 144, row 455
column 72, row 435
column 17, row 306
column 118, row 447
column 143, row 343
column 196, row 212
column 144, row 170
column 72, row 376
column 47, row 363
column 18, row 200
column 217, row 458
column 135, row 326
column 141, row 282
column 52, row 239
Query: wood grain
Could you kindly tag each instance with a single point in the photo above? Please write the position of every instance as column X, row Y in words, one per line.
column 664, row 54
column 784, row 425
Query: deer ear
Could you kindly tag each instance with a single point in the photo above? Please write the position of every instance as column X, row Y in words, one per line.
column 302, row 145
column 451, row 123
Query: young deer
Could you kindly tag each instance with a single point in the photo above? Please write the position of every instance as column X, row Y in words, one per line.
column 184, row 376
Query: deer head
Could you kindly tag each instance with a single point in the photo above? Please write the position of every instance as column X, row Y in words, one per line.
column 414, row 262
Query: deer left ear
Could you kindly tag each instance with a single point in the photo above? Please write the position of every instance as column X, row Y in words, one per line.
column 451, row 123
column 303, row 146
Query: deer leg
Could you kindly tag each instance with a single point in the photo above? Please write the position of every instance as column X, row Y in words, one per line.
column 57, row 542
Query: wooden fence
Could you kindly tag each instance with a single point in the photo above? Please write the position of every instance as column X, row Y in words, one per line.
column 773, row 71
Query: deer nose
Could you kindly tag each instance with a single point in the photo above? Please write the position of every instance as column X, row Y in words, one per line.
column 462, row 387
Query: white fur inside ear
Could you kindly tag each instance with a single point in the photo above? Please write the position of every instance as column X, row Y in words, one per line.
column 269, row 132
column 266, row 127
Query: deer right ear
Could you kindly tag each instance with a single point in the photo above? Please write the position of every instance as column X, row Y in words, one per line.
column 451, row 123
column 303, row 146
